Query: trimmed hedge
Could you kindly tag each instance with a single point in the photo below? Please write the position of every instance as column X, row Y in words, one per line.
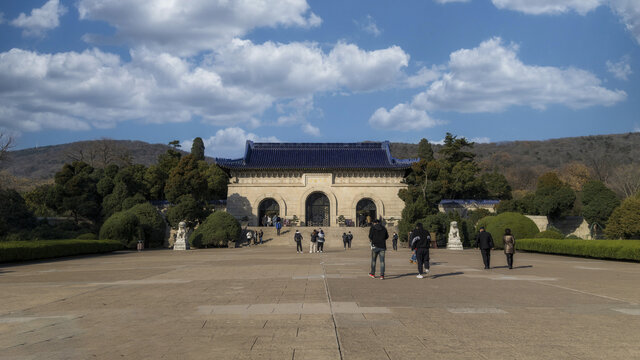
column 521, row 226
column 45, row 249
column 600, row 249
column 549, row 234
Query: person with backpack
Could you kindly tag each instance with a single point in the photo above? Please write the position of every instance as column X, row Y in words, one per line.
column 420, row 241
column 378, row 236
column 298, row 239
column 278, row 225
column 312, row 243
column 345, row 240
column 321, row 241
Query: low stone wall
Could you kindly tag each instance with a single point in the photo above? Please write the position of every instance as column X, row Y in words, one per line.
column 570, row 225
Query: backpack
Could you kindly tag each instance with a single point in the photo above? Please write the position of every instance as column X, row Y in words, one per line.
column 297, row 237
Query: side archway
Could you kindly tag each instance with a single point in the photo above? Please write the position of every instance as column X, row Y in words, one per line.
column 282, row 205
column 379, row 205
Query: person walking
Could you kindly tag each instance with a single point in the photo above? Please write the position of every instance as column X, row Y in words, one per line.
column 378, row 236
column 321, row 241
column 345, row 240
column 298, row 239
column 394, row 241
column 349, row 239
column 484, row 241
column 420, row 241
column 509, row 246
column 312, row 243
column 249, row 237
column 278, row 226
column 260, row 235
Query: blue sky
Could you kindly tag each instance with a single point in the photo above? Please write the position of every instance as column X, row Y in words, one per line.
column 317, row 70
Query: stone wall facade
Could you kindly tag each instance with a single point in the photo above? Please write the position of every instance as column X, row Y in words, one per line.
column 291, row 190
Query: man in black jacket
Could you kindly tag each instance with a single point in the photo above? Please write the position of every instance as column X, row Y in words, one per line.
column 420, row 241
column 485, row 242
column 378, row 236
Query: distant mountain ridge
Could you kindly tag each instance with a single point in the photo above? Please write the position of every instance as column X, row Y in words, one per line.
column 43, row 162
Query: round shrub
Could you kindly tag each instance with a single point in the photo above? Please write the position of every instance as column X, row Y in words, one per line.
column 123, row 226
column 573, row 237
column 151, row 222
column 216, row 231
column 624, row 222
column 549, row 234
column 521, row 226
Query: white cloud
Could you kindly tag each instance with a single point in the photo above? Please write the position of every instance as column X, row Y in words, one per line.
column 230, row 142
column 629, row 12
column 41, row 19
column 423, row 77
column 296, row 112
column 298, row 69
column 481, row 140
column 402, row 117
column 538, row 7
column 621, row 69
column 491, row 78
column 369, row 26
column 310, row 129
column 188, row 27
column 636, row 128
column 75, row 90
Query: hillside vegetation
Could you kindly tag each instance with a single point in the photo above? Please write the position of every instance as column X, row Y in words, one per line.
column 609, row 158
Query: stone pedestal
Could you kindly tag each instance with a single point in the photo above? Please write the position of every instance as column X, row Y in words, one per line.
column 454, row 242
column 182, row 242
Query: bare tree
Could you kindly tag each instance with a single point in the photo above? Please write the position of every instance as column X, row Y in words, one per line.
column 100, row 153
column 6, row 143
column 625, row 180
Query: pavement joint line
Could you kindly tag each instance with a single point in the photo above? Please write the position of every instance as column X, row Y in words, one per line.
column 333, row 317
column 635, row 312
column 585, row 292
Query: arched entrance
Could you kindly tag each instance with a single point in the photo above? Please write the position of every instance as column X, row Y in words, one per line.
column 268, row 207
column 366, row 212
column 317, row 210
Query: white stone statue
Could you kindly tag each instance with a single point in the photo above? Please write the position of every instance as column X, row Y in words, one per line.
column 182, row 237
column 454, row 242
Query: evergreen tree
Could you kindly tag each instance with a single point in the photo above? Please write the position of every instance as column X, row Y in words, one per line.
column 197, row 149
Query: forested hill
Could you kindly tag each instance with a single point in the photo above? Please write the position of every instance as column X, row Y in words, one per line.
column 521, row 161
column 602, row 156
column 42, row 163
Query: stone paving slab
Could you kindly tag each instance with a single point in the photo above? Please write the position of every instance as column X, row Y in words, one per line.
column 271, row 303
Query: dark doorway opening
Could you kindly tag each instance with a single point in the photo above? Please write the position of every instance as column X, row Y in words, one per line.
column 317, row 209
column 266, row 210
column 366, row 212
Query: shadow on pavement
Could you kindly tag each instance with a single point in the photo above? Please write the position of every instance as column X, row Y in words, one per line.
column 447, row 274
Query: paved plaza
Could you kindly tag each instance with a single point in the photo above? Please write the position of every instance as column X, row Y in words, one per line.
column 270, row 303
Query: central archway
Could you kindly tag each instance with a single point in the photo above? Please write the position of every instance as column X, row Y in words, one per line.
column 317, row 210
column 366, row 212
column 268, row 207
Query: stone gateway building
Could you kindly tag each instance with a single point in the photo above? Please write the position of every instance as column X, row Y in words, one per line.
column 316, row 184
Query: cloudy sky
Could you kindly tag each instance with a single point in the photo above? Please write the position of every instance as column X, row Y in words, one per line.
column 317, row 70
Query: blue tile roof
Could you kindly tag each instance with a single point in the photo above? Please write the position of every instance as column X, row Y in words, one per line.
column 373, row 155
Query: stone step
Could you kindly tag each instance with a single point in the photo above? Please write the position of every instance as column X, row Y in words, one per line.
column 333, row 235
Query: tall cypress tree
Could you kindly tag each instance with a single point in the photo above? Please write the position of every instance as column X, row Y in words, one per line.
column 197, row 149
